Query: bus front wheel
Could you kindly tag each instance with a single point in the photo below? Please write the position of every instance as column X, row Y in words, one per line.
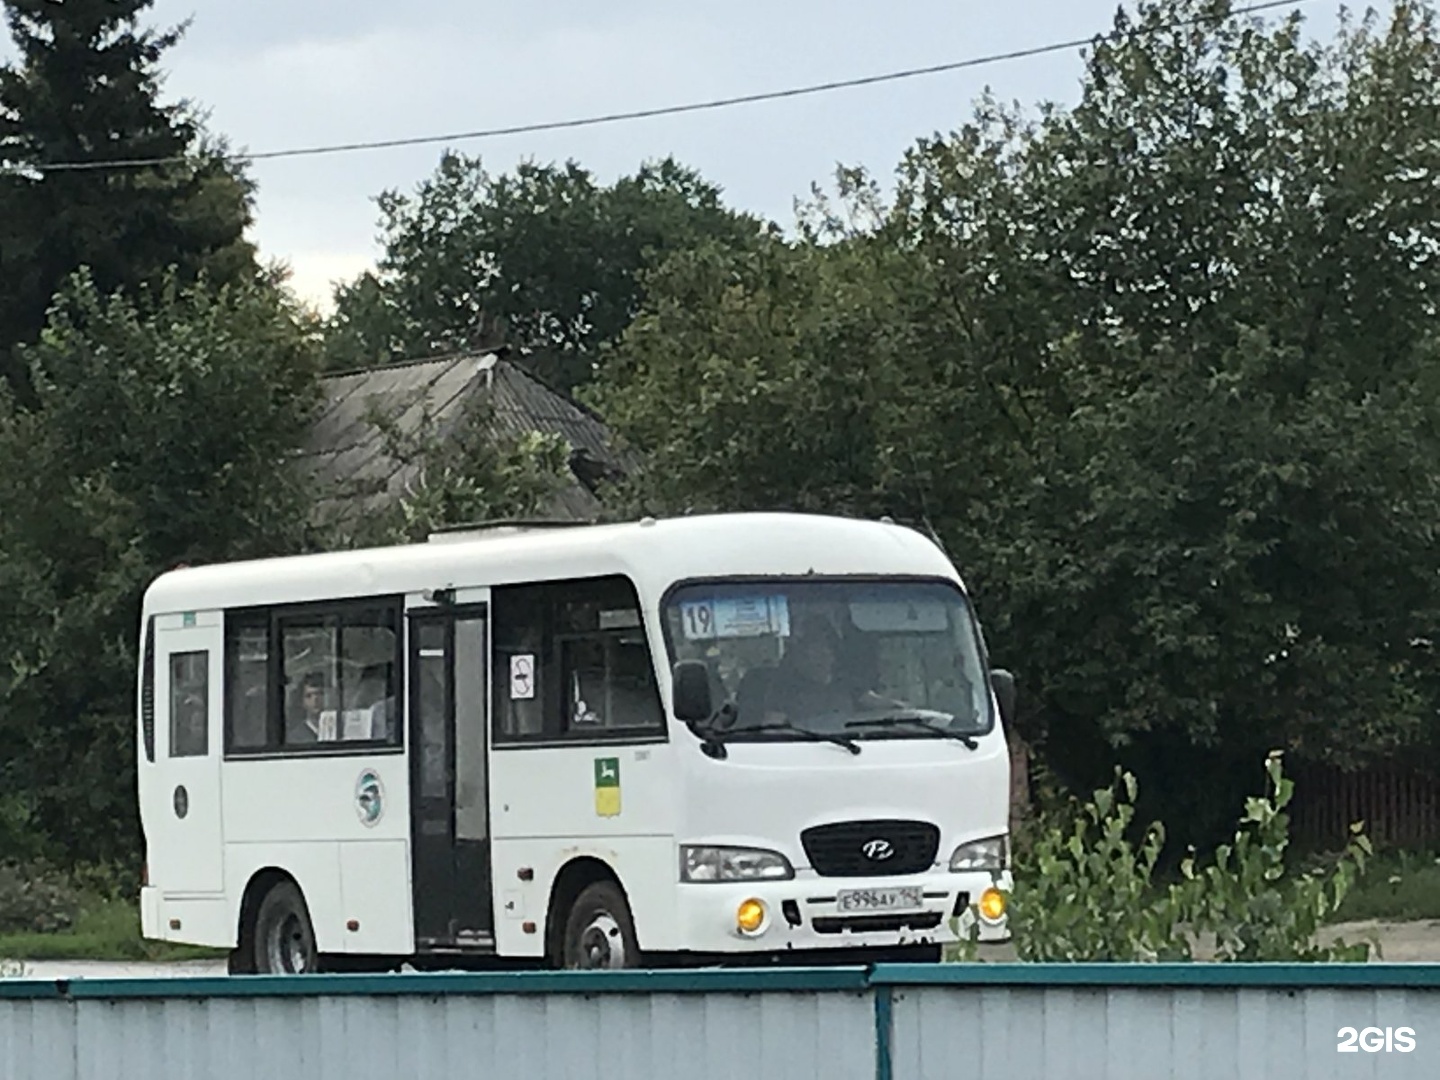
column 284, row 940
column 599, row 931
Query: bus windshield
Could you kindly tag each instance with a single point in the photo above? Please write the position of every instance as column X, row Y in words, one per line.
column 863, row 659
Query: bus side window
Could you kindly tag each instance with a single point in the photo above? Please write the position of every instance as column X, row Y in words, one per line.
column 611, row 682
column 584, row 664
column 247, row 664
column 605, row 659
column 309, row 646
column 334, row 679
column 519, row 646
column 189, row 704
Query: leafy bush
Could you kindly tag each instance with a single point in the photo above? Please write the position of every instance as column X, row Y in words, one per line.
column 106, row 881
column 1086, row 891
column 1086, row 887
column 36, row 899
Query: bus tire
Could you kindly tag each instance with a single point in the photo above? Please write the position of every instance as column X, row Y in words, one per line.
column 242, row 959
column 284, row 939
column 599, row 930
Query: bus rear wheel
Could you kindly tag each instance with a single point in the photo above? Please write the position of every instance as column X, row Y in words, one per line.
column 283, row 938
column 599, row 931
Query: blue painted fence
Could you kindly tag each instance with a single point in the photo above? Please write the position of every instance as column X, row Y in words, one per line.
column 1008, row 1021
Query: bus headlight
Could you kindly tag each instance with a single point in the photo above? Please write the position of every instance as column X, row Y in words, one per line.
column 733, row 864
column 992, row 853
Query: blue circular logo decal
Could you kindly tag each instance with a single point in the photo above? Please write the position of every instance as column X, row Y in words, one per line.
column 369, row 797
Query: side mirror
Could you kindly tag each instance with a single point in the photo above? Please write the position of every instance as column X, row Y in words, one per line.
column 692, row 691
column 1004, row 685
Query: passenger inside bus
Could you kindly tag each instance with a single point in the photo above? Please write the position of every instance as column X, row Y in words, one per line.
column 811, row 679
column 305, row 720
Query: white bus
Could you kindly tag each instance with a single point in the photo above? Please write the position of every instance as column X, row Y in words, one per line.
column 694, row 740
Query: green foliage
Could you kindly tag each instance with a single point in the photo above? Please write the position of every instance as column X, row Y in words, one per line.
column 1086, row 888
column 107, row 882
column 155, row 438
column 545, row 257
column 1086, row 891
column 1246, row 899
column 465, row 473
column 35, row 899
column 762, row 378
column 1160, row 369
column 85, row 87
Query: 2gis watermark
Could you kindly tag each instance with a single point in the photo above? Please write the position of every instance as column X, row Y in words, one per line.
column 1375, row 1040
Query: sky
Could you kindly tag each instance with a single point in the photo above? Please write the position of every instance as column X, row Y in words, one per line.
column 277, row 74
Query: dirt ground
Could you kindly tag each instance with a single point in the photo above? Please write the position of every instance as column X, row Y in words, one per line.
column 1404, row 942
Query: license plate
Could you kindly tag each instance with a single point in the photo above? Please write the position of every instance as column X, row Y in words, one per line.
column 899, row 899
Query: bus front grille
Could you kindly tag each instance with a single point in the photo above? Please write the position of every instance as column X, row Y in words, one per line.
column 871, row 848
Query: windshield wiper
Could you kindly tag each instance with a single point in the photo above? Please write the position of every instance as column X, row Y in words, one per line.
column 803, row 732
column 915, row 720
column 716, row 729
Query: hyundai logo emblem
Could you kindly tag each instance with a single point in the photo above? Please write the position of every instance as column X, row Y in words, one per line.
column 877, row 850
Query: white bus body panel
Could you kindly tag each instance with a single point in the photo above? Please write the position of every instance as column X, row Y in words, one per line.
column 187, row 858
column 545, row 816
column 299, row 815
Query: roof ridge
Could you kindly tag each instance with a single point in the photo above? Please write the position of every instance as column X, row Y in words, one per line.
column 452, row 357
column 502, row 358
column 546, row 384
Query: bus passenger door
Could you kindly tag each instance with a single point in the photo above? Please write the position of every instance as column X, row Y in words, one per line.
column 187, row 858
column 450, row 819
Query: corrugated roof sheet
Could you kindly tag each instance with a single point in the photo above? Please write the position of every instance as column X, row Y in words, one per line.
column 346, row 456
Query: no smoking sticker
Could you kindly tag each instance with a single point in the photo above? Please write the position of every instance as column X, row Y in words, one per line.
column 522, row 677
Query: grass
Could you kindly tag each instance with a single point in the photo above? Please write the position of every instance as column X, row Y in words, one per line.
column 1398, row 886
column 105, row 930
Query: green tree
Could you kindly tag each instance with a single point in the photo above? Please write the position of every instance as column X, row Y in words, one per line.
column 545, row 257
column 156, row 437
column 759, row 378
column 1160, row 368
column 85, row 89
column 1239, row 492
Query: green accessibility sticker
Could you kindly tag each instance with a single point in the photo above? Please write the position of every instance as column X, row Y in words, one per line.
column 607, row 786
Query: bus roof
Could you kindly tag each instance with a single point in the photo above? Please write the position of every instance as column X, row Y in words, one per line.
column 654, row 553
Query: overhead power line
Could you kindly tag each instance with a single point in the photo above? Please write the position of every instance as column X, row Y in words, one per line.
column 671, row 110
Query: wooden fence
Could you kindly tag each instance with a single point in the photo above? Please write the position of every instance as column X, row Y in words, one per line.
column 1399, row 806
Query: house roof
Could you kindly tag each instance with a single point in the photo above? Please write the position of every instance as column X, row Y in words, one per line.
column 349, row 463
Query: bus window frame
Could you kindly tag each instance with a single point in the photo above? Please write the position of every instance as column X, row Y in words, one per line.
column 549, row 662
column 666, row 598
column 274, row 616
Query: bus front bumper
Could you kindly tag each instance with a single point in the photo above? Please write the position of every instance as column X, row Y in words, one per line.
column 837, row 913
